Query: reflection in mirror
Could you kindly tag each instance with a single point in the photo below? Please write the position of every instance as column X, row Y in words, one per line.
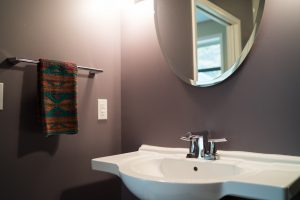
column 222, row 33
column 218, row 40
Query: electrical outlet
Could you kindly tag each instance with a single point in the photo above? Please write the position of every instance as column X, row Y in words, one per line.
column 102, row 109
column 1, row 95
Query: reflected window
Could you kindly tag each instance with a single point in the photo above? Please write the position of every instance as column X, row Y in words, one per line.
column 209, row 53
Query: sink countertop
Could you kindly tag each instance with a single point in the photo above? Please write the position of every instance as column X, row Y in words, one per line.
column 270, row 176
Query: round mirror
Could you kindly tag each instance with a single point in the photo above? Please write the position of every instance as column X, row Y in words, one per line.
column 205, row 41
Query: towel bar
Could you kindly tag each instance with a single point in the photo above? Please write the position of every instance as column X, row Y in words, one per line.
column 14, row 61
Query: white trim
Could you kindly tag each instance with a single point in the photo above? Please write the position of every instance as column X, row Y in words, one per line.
column 194, row 34
column 1, row 95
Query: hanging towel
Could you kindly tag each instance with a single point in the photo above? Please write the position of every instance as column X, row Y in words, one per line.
column 57, row 82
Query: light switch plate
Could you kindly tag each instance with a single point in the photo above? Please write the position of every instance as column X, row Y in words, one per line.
column 1, row 95
column 102, row 109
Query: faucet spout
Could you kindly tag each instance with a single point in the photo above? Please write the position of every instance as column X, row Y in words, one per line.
column 198, row 143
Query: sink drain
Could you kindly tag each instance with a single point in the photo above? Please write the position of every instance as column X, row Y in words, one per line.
column 195, row 169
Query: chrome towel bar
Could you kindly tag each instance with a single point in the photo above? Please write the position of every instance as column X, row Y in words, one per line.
column 15, row 60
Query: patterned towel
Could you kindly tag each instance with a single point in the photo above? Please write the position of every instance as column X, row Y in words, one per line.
column 57, row 83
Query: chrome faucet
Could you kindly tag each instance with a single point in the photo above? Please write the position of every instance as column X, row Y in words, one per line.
column 201, row 147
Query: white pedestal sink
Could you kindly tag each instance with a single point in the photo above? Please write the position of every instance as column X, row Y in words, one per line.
column 158, row 173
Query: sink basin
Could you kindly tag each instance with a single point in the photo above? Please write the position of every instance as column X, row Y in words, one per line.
column 180, row 170
column 156, row 173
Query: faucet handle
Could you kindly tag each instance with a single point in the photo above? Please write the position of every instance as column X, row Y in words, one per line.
column 189, row 137
column 218, row 140
column 185, row 138
column 212, row 145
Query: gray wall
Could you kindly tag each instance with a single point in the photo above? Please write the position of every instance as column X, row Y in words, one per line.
column 34, row 167
column 257, row 109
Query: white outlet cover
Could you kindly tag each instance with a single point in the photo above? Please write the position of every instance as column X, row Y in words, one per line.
column 1, row 95
column 102, row 109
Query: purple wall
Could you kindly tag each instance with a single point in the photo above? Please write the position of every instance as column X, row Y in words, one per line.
column 257, row 109
column 58, row 168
